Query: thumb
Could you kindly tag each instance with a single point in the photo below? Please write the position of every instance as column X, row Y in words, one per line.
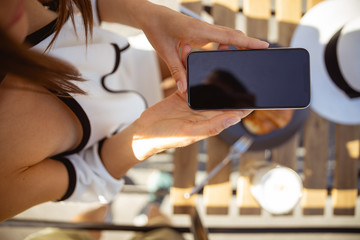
column 177, row 71
column 177, row 66
column 185, row 51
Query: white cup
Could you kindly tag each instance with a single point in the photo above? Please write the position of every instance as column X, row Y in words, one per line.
column 276, row 188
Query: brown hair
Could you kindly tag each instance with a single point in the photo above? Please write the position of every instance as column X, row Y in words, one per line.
column 65, row 9
column 38, row 68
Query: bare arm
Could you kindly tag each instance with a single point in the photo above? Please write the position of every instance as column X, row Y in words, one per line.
column 121, row 11
column 26, row 187
column 33, row 126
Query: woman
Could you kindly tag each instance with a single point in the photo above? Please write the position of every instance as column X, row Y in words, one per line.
column 48, row 151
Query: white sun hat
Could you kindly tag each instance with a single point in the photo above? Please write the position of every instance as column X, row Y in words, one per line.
column 330, row 31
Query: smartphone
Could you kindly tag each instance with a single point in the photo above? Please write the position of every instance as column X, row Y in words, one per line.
column 277, row 78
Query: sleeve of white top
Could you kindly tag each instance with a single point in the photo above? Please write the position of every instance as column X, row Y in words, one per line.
column 89, row 181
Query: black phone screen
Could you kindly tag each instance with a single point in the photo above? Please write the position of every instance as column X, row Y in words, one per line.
column 249, row 79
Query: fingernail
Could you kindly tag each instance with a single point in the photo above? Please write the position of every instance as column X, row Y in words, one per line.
column 266, row 44
column 232, row 121
column 180, row 86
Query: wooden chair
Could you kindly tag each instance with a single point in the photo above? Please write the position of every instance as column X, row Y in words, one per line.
column 314, row 139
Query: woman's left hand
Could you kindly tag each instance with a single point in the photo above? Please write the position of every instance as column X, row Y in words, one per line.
column 174, row 34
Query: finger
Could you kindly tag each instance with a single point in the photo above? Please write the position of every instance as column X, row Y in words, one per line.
column 225, row 113
column 185, row 51
column 240, row 40
column 244, row 113
column 177, row 70
column 215, row 125
column 228, row 36
column 223, row 47
column 253, row 43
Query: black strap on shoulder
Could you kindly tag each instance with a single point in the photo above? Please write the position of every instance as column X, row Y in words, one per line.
column 52, row 5
column 41, row 34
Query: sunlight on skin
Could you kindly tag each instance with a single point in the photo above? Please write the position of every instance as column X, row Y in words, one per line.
column 143, row 146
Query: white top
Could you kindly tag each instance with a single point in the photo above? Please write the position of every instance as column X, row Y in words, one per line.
column 120, row 82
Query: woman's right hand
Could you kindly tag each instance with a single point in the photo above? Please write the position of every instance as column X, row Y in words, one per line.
column 168, row 124
column 171, row 123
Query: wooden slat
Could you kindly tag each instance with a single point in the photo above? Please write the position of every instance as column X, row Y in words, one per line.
column 288, row 14
column 311, row 3
column 257, row 17
column 313, row 201
column 217, row 198
column 193, row 5
column 245, row 201
column 257, row 9
column 224, row 12
column 185, row 168
column 218, row 192
column 288, row 10
column 316, row 135
column 233, row 5
column 344, row 194
column 285, row 154
column 344, row 201
column 185, row 159
column 182, row 205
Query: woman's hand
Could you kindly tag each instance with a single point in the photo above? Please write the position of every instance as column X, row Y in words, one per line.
column 171, row 123
column 171, row 33
column 167, row 124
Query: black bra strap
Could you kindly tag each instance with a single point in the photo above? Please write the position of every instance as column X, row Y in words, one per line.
column 41, row 34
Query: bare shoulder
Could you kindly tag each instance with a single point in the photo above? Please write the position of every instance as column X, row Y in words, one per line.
column 34, row 124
